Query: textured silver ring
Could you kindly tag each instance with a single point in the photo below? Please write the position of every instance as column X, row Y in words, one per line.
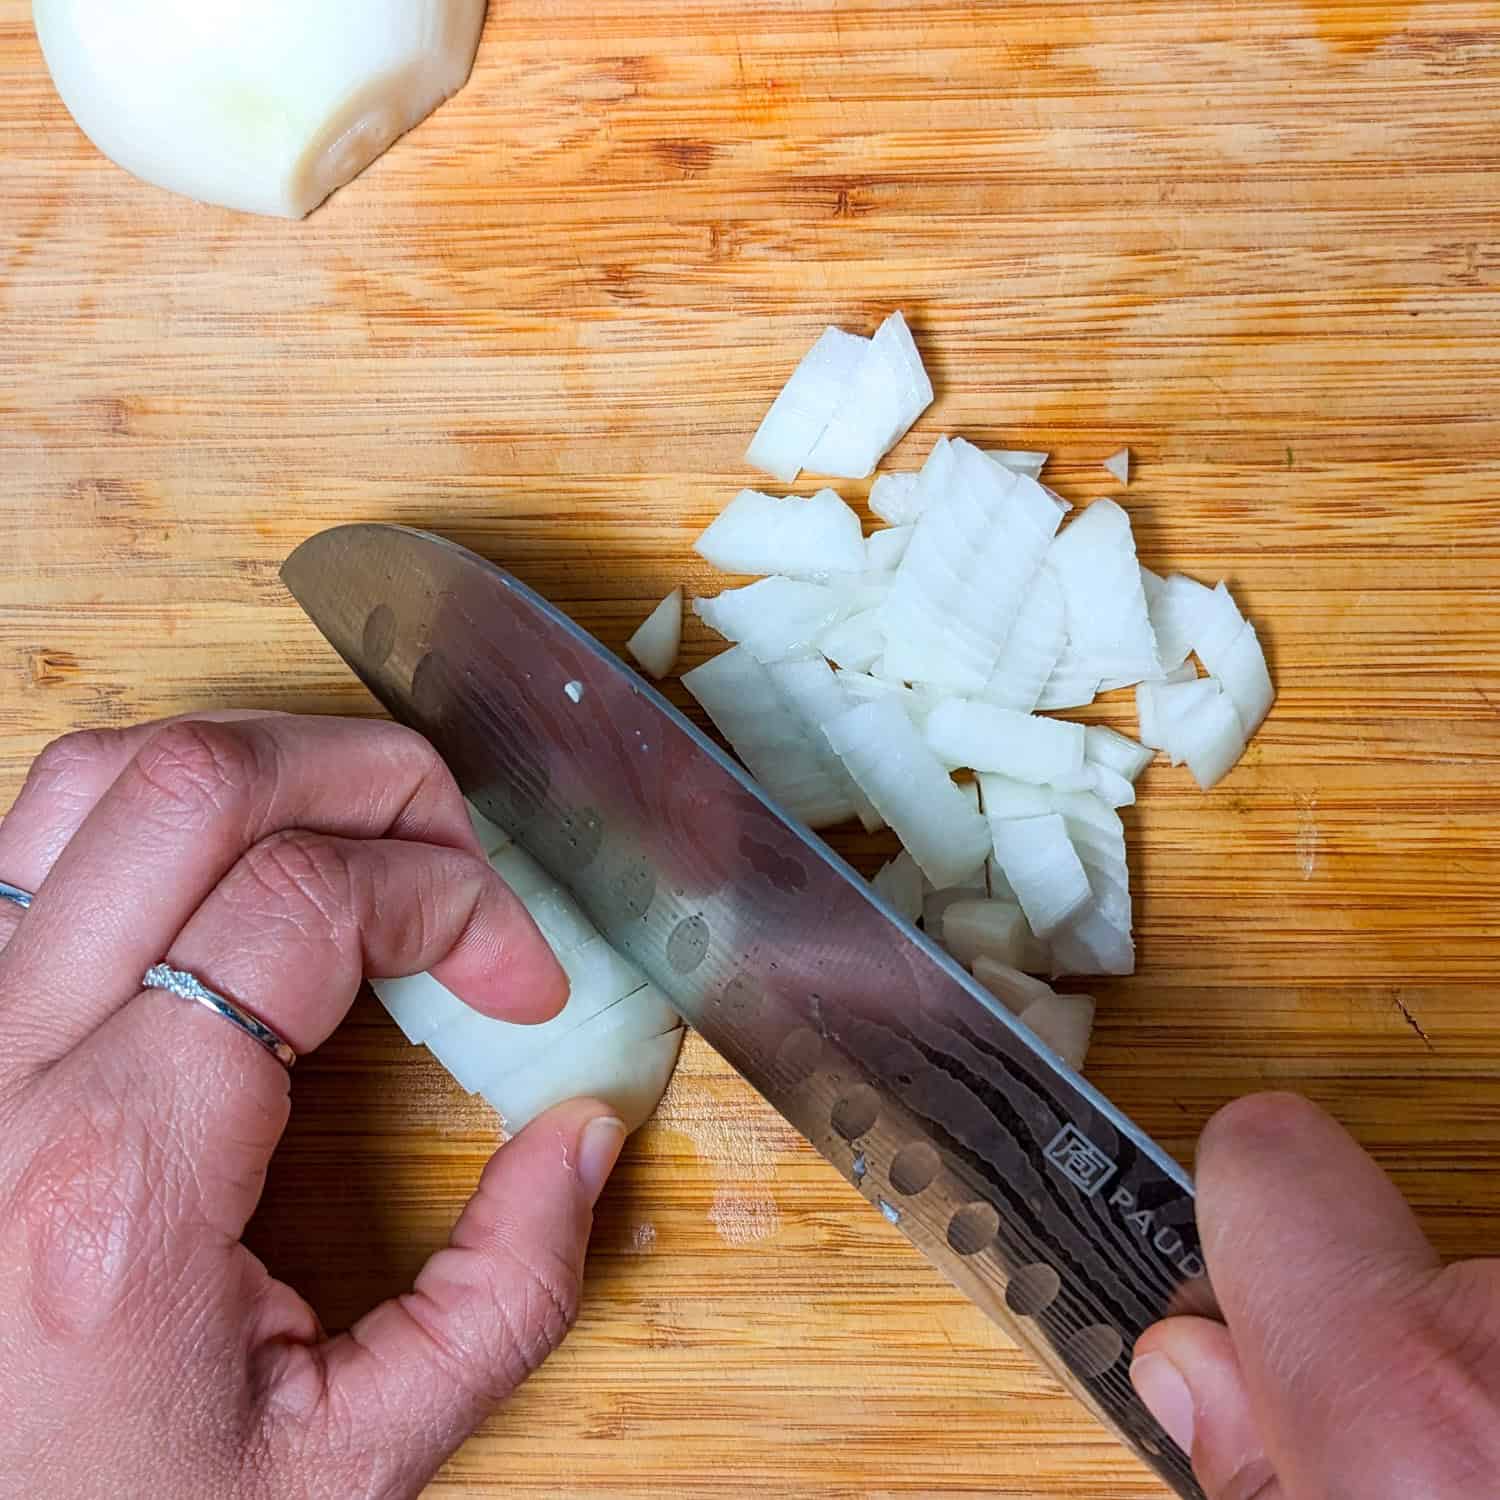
column 189, row 987
column 16, row 896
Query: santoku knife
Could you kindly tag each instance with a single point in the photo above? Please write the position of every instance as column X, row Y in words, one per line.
column 1028, row 1190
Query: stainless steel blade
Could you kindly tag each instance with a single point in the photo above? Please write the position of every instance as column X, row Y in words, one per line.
column 1027, row 1188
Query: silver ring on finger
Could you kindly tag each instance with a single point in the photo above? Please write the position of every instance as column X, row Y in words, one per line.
column 189, row 987
column 16, row 896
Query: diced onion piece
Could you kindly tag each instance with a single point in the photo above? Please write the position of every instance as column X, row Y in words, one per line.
column 1177, row 605
column 1015, row 990
column 1187, row 672
column 1109, row 786
column 785, row 754
column 1216, row 627
column 897, row 499
column 986, row 738
column 892, row 765
column 806, row 405
column 899, row 882
column 887, row 392
column 1242, row 669
column 267, row 108
column 975, row 929
column 656, row 644
column 1004, row 797
column 855, row 643
column 1032, row 649
column 1107, row 747
column 916, row 703
column 1042, row 867
column 1177, row 701
column 812, row 690
column 885, row 549
column 1208, row 736
column 1118, row 464
column 1065, row 1023
column 1073, row 683
column 1020, row 460
column 1109, row 627
column 973, row 556
column 776, row 617
column 795, row 538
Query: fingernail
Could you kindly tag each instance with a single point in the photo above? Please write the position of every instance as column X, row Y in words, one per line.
column 598, row 1151
column 1166, row 1395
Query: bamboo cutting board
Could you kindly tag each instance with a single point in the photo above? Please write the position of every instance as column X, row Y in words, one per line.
column 1258, row 244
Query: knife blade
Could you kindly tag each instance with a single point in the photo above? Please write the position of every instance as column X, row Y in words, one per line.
column 1023, row 1185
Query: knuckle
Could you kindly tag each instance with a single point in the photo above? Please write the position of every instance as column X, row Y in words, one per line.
column 199, row 771
column 303, row 870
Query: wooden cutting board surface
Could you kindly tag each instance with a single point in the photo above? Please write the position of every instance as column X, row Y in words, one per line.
column 1256, row 243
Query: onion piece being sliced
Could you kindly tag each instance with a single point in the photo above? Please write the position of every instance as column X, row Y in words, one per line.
column 887, row 392
column 777, row 617
column 986, row 738
column 1109, row 627
column 794, row 538
column 899, row 881
column 658, row 640
column 615, row 1039
column 1042, row 867
column 267, row 108
column 892, row 765
column 806, row 405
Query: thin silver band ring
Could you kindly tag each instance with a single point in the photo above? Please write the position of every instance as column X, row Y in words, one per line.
column 189, row 987
column 15, row 895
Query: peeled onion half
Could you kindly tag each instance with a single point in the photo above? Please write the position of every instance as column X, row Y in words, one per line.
column 266, row 107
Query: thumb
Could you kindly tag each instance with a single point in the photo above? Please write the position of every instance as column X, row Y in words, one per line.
column 1347, row 1366
column 412, row 1379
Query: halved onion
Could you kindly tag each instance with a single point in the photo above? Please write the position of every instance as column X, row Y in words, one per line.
column 267, row 108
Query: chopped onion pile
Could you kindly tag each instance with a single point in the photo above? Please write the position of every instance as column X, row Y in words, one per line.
column 616, row 1039
column 947, row 632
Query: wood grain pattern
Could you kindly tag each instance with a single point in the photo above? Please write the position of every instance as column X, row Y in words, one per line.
column 1257, row 244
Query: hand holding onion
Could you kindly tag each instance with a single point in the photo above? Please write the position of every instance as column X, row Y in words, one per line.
column 143, row 1349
